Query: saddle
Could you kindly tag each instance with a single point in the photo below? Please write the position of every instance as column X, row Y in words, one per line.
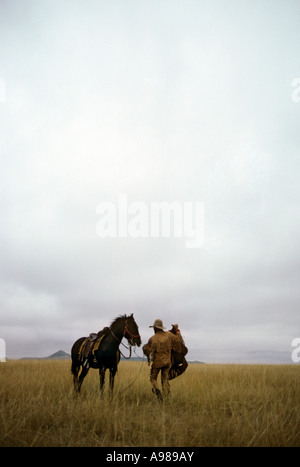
column 90, row 344
column 178, row 361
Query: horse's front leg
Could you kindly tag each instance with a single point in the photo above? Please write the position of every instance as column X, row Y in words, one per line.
column 102, row 379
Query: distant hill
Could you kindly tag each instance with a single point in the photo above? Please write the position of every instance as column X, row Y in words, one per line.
column 61, row 355
column 195, row 361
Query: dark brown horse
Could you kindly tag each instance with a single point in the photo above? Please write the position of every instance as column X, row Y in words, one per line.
column 108, row 354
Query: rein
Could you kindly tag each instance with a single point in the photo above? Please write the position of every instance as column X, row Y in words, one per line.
column 137, row 376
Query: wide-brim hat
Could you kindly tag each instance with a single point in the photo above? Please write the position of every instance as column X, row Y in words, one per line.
column 158, row 324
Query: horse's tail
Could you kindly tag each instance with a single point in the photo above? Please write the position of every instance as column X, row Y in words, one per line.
column 75, row 356
column 74, row 364
column 74, row 368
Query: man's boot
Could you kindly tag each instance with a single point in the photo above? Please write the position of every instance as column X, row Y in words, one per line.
column 158, row 393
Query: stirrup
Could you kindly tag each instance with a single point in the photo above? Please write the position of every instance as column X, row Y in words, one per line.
column 85, row 363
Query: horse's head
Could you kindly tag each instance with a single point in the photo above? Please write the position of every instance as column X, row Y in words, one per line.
column 131, row 331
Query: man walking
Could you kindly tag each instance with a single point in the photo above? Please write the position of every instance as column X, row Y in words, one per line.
column 159, row 347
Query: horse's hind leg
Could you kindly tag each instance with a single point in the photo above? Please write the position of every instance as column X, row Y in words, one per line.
column 78, row 380
column 112, row 373
column 75, row 370
column 102, row 379
column 83, row 373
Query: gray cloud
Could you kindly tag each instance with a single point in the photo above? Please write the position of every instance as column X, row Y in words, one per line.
column 163, row 102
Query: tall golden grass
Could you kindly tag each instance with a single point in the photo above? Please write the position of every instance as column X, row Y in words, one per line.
column 209, row 405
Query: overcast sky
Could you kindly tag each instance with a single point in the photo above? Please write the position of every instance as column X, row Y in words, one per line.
column 161, row 100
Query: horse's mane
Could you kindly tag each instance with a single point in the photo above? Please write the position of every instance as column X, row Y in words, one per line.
column 118, row 318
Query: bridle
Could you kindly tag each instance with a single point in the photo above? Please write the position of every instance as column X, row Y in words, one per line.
column 130, row 339
column 131, row 336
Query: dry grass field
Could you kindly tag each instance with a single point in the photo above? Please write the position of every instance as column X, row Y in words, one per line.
column 209, row 405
